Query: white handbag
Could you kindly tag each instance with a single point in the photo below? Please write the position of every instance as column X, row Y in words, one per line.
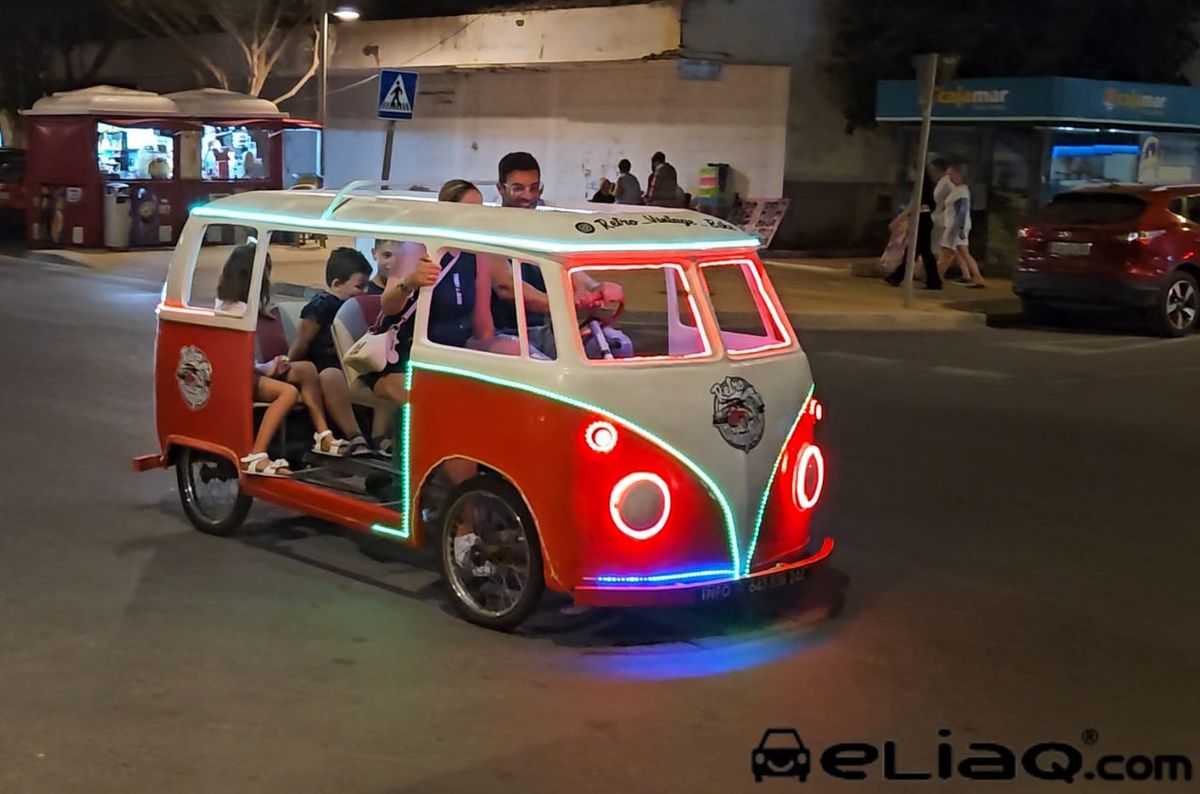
column 375, row 351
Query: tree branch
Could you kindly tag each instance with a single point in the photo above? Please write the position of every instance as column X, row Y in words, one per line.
column 308, row 74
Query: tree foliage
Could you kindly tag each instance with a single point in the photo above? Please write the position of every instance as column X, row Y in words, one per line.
column 41, row 54
column 1136, row 40
column 261, row 30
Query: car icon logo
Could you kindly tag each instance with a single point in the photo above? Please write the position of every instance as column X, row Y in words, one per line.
column 780, row 753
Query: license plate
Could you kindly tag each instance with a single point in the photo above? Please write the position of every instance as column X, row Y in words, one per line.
column 751, row 586
column 1071, row 249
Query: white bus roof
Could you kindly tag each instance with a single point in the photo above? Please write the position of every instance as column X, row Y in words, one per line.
column 402, row 215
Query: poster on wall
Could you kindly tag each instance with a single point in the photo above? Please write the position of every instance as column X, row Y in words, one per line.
column 761, row 217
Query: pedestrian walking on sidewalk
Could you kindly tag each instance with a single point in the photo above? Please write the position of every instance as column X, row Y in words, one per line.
column 958, row 228
column 939, row 173
column 924, row 240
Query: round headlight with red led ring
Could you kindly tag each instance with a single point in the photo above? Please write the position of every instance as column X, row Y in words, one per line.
column 810, row 461
column 640, row 505
column 601, row 436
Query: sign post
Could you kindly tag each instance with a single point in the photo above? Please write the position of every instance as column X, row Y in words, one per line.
column 397, row 100
column 933, row 70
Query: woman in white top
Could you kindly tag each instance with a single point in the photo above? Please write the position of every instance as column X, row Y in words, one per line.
column 957, row 219
column 941, row 191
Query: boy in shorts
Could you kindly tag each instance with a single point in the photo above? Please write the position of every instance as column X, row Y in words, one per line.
column 346, row 274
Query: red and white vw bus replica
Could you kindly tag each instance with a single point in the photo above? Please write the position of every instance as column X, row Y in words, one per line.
column 666, row 457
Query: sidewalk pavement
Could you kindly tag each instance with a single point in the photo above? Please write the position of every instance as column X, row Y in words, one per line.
column 819, row 294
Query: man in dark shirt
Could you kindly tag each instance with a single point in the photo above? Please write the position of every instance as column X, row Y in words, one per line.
column 520, row 185
column 662, row 190
column 629, row 190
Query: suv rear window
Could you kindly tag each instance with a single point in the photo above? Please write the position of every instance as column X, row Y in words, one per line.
column 1092, row 208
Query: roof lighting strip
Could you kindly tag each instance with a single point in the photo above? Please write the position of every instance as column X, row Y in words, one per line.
column 722, row 502
column 766, row 495
column 404, row 231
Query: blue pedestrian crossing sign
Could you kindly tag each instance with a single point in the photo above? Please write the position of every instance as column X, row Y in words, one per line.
column 397, row 94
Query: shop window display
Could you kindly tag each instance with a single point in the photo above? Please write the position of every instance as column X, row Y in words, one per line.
column 134, row 152
column 234, row 153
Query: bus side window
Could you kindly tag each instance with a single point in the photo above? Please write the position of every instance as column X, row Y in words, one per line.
column 221, row 277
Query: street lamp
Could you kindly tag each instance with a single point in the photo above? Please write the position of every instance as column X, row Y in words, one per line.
column 345, row 14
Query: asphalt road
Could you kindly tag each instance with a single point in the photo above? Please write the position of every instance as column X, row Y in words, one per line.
column 1017, row 517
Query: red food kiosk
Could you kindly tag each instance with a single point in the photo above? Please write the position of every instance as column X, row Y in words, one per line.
column 120, row 168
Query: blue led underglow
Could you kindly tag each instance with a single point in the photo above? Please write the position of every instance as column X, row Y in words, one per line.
column 766, row 495
column 403, row 533
column 714, row 489
column 664, row 577
column 405, row 231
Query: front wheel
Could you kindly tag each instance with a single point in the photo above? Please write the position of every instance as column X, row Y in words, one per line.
column 211, row 492
column 1178, row 305
column 1037, row 312
column 491, row 557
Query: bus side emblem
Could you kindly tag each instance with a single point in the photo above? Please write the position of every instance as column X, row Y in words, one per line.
column 194, row 375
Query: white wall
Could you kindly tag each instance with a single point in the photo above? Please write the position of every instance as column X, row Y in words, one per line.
column 521, row 38
column 795, row 33
column 578, row 121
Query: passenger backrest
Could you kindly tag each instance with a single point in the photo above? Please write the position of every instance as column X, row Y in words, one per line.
column 354, row 319
column 276, row 332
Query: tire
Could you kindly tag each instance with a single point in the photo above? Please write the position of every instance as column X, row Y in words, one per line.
column 1038, row 312
column 1178, row 307
column 509, row 544
column 195, row 471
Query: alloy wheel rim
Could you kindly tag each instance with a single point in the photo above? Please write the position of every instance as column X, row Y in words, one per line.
column 213, row 487
column 503, row 542
column 1182, row 305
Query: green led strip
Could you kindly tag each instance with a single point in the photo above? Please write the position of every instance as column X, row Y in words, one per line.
column 403, row 534
column 403, row 231
column 762, row 507
column 405, row 448
column 727, row 512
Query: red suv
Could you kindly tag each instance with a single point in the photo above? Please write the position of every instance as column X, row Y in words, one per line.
column 1121, row 246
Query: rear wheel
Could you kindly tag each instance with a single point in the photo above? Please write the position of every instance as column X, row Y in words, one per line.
column 1178, row 306
column 495, row 579
column 211, row 492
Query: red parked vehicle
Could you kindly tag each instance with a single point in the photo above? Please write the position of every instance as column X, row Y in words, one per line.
column 1119, row 246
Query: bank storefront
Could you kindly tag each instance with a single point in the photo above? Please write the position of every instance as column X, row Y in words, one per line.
column 1028, row 139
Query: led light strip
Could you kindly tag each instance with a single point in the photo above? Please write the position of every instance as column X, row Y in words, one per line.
column 691, row 297
column 663, row 577
column 405, row 451
column 722, row 502
column 404, row 231
column 781, row 327
column 403, row 534
column 762, row 506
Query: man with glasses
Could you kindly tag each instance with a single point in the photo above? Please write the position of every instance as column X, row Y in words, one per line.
column 520, row 186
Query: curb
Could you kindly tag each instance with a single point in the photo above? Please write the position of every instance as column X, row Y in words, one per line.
column 887, row 321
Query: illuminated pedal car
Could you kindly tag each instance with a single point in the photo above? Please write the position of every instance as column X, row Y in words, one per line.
column 679, row 468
